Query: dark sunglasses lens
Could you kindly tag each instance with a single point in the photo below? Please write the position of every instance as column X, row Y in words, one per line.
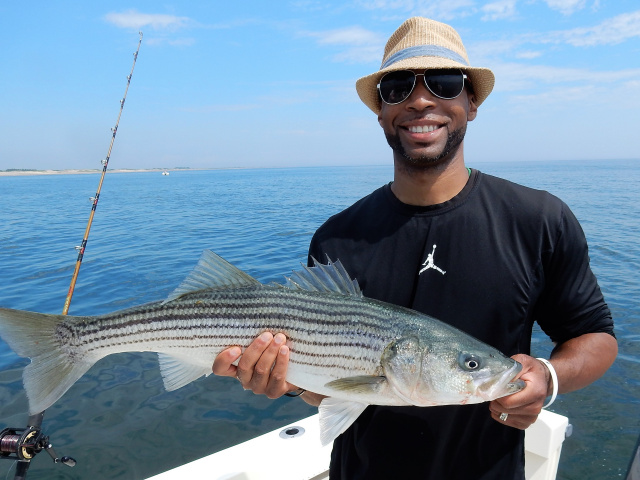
column 445, row 83
column 395, row 87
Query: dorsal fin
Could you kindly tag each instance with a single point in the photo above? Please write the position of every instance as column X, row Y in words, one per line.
column 330, row 278
column 212, row 271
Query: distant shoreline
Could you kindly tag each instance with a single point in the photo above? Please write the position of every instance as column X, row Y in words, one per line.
column 15, row 173
column 71, row 171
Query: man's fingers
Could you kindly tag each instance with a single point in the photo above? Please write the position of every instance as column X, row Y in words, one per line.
column 278, row 385
column 262, row 367
column 261, row 378
column 520, row 417
column 251, row 357
column 223, row 363
column 514, row 420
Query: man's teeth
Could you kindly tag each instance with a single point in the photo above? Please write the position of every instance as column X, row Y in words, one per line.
column 425, row 129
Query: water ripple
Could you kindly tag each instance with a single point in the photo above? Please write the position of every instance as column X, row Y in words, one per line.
column 149, row 232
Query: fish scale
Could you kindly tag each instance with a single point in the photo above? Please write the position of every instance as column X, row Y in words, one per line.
column 217, row 320
column 354, row 350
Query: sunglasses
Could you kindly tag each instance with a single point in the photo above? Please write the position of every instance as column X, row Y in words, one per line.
column 396, row 87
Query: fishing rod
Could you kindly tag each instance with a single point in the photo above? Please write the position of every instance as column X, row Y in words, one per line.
column 95, row 199
column 23, row 444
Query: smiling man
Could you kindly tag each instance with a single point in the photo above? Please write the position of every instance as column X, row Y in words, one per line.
column 483, row 254
column 419, row 138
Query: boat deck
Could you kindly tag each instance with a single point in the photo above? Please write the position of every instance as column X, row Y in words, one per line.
column 297, row 448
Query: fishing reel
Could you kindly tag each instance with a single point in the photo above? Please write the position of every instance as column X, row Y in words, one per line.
column 22, row 444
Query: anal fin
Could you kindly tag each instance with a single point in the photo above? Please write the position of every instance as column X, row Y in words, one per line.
column 178, row 371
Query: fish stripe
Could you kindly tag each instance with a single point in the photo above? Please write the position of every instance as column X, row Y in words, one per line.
column 218, row 319
column 333, row 333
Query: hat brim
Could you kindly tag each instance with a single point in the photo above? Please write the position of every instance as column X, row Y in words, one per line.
column 482, row 79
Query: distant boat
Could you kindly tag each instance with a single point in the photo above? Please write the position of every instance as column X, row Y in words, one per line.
column 166, row 172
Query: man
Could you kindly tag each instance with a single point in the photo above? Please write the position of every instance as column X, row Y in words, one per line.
column 483, row 254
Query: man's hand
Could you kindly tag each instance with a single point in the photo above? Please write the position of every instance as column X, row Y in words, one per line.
column 262, row 367
column 522, row 408
column 578, row 362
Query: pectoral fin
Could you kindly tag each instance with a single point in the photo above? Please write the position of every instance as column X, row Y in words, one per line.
column 336, row 416
column 363, row 385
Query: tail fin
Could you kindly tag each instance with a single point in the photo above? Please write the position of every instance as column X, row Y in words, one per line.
column 52, row 370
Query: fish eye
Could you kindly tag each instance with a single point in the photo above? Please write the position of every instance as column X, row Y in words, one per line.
column 469, row 362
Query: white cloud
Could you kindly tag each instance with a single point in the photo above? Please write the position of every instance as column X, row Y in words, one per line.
column 518, row 76
column 364, row 54
column 221, row 108
column 347, row 36
column 573, row 97
column 528, row 54
column 357, row 44
column 555, row 95
column 182, row 42
column 487, row 52
column 502, row 9
column 566, row 7
column 310, row 5
column 175, row 42
column 445, row 10
column 610, row 32
column 137, row 20
column 386, row 4
column 438, row 10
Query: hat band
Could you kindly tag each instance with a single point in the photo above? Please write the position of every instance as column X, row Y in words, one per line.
column 422, row 51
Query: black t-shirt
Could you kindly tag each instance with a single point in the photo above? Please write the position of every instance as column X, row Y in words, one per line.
column 490, row 261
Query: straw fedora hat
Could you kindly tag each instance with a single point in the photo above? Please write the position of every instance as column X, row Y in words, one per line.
column 420, row 43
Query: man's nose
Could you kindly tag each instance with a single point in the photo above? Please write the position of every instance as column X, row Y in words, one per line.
column 420, row 97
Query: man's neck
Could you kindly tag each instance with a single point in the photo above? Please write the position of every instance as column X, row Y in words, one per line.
column 429, row 186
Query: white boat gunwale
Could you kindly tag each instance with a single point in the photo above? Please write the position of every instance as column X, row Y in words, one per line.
column 296, row 448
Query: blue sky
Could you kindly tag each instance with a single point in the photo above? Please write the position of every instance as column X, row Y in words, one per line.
column 261, row 84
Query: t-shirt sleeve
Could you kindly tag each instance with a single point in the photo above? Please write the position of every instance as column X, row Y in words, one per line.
column 572, row 303
column 315, row 252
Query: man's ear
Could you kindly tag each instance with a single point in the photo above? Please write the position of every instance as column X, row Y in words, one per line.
column 473, row 108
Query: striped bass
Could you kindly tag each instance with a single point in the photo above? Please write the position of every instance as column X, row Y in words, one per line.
column 356, row 351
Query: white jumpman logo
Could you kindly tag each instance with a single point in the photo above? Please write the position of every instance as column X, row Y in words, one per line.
column 428, row 263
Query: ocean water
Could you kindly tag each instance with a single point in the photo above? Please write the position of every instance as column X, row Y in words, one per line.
column 149, row 231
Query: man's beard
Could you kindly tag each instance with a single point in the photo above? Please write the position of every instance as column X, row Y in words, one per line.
column 420, row 162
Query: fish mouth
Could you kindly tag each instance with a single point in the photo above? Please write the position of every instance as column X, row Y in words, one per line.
column 504, row 385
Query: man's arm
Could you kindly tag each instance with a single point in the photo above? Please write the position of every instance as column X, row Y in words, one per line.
column 262, row 368
column 578, row 362
column 582, row 360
